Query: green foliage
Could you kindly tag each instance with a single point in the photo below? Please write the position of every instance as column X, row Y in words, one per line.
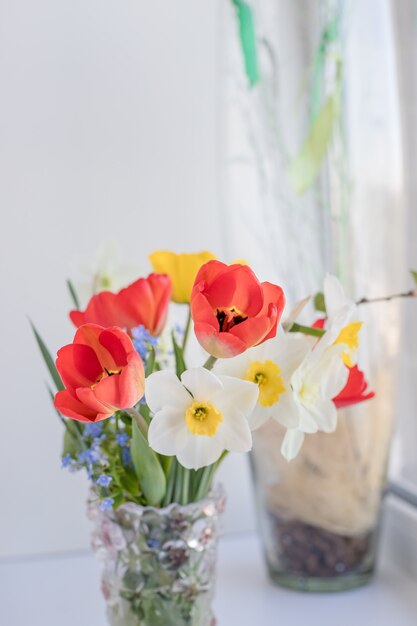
column 148, row 470
column 47, row 359
column 180, row 364
column 73, row 294
column 319, row 303
column 151, row 360
column 307, row 164
column 248, row 40
column 414, row 276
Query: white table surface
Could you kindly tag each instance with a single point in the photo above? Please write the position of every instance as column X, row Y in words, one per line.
column 64, row 591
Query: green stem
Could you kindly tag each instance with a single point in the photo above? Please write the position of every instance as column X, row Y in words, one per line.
column 210, row 362
column 178, row 484
column 205, row 482
column 185, row 486
column 171, row 482
column 140, row 421
column 307, row 330
column 187, row 329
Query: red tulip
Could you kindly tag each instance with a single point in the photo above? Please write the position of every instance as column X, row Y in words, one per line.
column 232, row 311
column 144, row 302
column 355, row 390
column 102, row 372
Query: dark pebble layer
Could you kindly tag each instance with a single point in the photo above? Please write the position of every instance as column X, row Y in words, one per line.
column 311, row 551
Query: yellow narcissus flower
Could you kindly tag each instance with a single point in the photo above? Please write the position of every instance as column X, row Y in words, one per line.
column 182, row 270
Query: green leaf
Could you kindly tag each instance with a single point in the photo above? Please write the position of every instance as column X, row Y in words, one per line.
column 414, row 275
column 147, row 467
column 71, row 443
column 73, row 294
column 319, row 303
column 48, row 359
column 247, row 40
column 307, row 164
column 150, row 363
column 180, row 364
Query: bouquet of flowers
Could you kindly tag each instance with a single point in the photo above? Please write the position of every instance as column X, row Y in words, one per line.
column 151, row 432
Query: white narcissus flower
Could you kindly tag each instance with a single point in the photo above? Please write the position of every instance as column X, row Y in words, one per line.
column 102, row 272
column 297, row 379
column 320, row 377
column 342, row 323
column 198, row 417
column 270, row 365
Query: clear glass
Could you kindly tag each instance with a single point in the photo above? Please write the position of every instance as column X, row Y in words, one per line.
column 158, row 564
column 319, row 514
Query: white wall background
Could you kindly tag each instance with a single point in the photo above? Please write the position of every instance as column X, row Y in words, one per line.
column 108, row 130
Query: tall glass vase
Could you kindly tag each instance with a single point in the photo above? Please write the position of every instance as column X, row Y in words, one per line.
column 320, row 513
column 158, row 564
column 315, row 183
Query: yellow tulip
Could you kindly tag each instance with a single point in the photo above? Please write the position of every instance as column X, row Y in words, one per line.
column 182, row 270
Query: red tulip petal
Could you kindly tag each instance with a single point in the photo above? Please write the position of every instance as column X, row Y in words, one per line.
column 252, row 331
column 117, row 343
column 237, row 286
column 355, row 389
column 122, row 391
column 77, row 318
column 209, row 271
column 91, row 398
column 143, row 302
column 69, row 406
column 162, row 289
column 202, row 311
column 220, row 345
column 90, row 334
column 78, row 366
column 273, row 294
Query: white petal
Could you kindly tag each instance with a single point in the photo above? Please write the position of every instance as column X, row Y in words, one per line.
column 237, row 393
column 297, row 348
column 325, row 414
column 330, row 373
column 234, row 432
column 291, row 444
column 235, row 366
column 286, row 410
column 199, row 451
column 164, row 389
column 202, row 383
column 167, row 432
column 308, row 420
column 259, row 416
column 334, row 295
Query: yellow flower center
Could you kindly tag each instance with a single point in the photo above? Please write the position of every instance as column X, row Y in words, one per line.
column 349, row 335
column 267, row 376
column 203, row 418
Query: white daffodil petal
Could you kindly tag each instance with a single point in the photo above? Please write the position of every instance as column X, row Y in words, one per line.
column 291, row 444
column 336, row 377
column 307, row 422
column 325, row 415
column 199, row 451
column 259, row 416
column 164, row 389
column 167, row 431
column 202, row 383
column 235, row 366
column 298, row 347
column 286, row 410
column 234, row 432
column 237, row 393
column 334, row 295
